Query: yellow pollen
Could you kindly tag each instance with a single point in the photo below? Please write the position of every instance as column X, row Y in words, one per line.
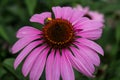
column 49, row 19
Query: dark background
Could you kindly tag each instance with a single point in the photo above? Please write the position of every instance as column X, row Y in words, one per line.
column 16, row 13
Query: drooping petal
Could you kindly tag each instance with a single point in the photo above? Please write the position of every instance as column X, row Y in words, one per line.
column 81, row 56
column 56, row 67
column 89, row 25
column 31, row 59
column 39, row 18
column 77, row 64
column 92, row 55
column 25, row 52
column 27, row 31
column 21, row 43
column 91, row 45
column 92, row 34
column 67, row 72
column 53, row 66
column 39, row 64
column 57, row 12
column 49, row 66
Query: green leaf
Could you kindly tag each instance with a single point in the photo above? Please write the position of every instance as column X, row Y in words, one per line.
column 3, row 33
column 114, row 50
column 111, row 7
column 118, row 32
column 2, row 72
column 7, row 33
column 8, row 64
column 31, row 4
column 114, row 70
column 11, row 34
column 18, row 11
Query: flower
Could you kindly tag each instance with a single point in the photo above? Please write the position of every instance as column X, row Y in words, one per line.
column 94, row 15
column 65, row 42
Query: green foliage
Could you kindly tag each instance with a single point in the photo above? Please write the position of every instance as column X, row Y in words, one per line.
column 118, row 32
column 16, row 13
column 31, row 5
column 8, row 64
column 3, row 33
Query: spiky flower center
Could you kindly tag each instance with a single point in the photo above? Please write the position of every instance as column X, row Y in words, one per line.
column 58, row 33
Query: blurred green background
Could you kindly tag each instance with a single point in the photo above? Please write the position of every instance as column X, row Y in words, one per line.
column 16, row 13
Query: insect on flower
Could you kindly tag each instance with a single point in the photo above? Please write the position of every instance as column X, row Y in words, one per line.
column 65, row 42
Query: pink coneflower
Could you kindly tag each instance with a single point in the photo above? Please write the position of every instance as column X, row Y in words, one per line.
column 65, row 42
column 94, row 15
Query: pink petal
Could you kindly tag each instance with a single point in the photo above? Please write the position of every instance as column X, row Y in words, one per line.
column 80, row 20
column 66, row 68
column 89, row 25
column 39, row 18
column 31, row 59
column 80, row 55
column 66, row 12
column 57, row 12
column 53, row 66
column 96, row 16
column 25, row 52
column 79, row 7
column 76, row 15
column 91, row 45
column 77, row 64
column 56, row 67
column 39, row 64
column 92, row 34
column 27, row 31
column 21, row 43
column 90, row 54
column 49, row 66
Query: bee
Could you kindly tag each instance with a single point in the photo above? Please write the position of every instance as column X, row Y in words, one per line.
column 47, row 20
